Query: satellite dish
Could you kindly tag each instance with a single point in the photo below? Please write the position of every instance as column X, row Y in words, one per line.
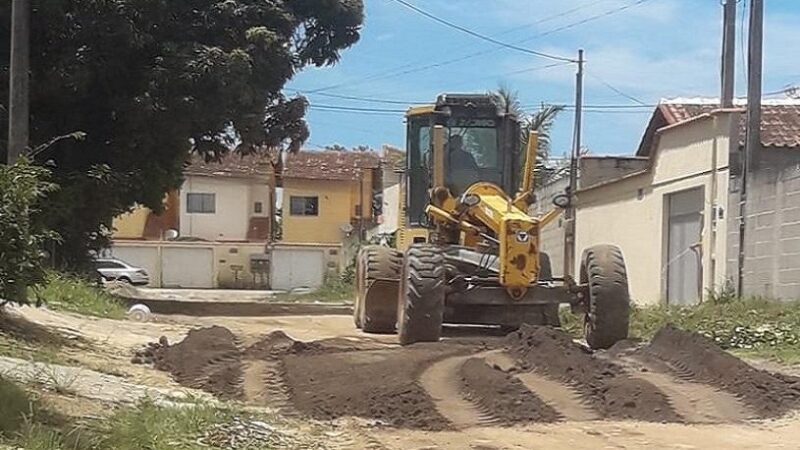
column 346, row 228
column 171, row 235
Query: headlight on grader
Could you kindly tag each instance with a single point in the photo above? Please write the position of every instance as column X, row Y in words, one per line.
column 470, row 200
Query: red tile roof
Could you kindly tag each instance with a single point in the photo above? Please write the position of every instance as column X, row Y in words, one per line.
column 329, row 165
column 233, row 165
column 780, row 123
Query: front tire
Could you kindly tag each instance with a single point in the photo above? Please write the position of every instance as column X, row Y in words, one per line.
column 607, row 319
column 381, row 269
column 421, row 295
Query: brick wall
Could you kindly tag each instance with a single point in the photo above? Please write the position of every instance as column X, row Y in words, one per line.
column 772, row 233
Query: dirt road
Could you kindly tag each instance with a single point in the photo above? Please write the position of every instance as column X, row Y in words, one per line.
column 533, row 389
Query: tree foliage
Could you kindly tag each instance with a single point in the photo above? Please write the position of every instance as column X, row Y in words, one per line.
column 22, row 239
column 149, row 81
column 540, row 121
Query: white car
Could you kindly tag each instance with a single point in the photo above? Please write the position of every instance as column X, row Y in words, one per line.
column 115, row 269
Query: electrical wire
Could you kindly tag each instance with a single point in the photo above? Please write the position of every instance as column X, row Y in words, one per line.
column 623, row 94
column 482, row 36
column 410, row 68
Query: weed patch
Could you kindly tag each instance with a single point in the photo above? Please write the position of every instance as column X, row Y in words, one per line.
column 74, row 294
column 751, row 327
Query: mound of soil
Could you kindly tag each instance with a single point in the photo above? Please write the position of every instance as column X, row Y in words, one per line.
column 695, row 357
column 277, row 344
column 603, row 385
column 378, row 384
column 502, row 396
column 207, row 359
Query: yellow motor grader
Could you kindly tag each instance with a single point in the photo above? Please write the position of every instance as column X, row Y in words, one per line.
column 467, row 250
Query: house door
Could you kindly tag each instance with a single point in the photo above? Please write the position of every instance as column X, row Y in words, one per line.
column 684, row 268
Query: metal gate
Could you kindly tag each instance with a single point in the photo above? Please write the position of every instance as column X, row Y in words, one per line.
column 684, row 268
column 185, row 267
column 294, row 267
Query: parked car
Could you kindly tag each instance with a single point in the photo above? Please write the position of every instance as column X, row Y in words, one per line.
column 115, row 269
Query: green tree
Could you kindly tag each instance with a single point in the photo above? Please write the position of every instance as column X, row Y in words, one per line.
column 22, row 187
column 540, row 121
column 149, row 81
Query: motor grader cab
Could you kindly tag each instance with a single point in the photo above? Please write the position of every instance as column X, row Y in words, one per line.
column 467, row 250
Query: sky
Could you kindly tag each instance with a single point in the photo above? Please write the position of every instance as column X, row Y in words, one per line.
column 637, row 52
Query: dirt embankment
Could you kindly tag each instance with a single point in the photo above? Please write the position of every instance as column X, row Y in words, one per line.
column 541, row 376
column 602, row 384
column 697, row 358
column 207, row 359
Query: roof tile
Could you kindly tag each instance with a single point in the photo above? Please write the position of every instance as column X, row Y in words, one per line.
column 329, row 165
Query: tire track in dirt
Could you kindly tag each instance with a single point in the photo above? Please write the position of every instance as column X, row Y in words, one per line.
column 603, row 385
column 693, row 357
column 442, row 383
column 564, row 399
column 696, row 402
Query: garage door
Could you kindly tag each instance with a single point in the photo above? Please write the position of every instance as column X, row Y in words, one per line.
column 143, row 257
column 297, row 268
column 188, row 267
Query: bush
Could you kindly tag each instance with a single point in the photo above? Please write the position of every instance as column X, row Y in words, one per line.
column 75, row 294
column 22, row 186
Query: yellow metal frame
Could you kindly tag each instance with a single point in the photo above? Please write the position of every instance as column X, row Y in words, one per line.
column 495, row 212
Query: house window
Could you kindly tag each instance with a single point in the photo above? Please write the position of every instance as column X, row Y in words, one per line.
column 258, row 208
column 201, row 203
column 304, row 206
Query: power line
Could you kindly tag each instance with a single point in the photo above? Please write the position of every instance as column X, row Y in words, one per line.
column 623, row 94
column 482, row 36
column 393, row 73
column 586, row 20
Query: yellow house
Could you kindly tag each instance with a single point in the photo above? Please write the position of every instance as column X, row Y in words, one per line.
column 328, row 196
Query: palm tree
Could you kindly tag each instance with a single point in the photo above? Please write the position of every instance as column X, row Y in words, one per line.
column 541, row 121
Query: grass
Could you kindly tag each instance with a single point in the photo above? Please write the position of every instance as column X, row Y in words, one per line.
column 74, row 294
column 334, row 290
column 751, row 327
column 25, row 424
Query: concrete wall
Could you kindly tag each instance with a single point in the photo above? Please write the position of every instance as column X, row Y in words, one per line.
column 235, row 199
column 391, row 209
column 599, row 169
column 772, row 234
column 230, row 267
column 551, row 237
column 631, row 213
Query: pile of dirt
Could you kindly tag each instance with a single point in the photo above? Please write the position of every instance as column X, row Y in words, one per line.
column 502, row 396
column 376, row 384
column 602, row 384
column 207, row 359
column 276, row 344
column 695, row 357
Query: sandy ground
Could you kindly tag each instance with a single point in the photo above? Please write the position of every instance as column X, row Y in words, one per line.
column 113, row 343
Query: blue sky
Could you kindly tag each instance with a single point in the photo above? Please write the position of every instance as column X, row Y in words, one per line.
column 652, row 50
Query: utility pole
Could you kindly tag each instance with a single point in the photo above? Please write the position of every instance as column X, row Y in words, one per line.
column 19, row 81
column 569, row 231
column 752, row 147
column 728, row 74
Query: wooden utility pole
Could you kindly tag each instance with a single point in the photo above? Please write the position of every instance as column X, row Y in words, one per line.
column 752, row 147
column 19, row 81
column 569, row 231
column 728, row 72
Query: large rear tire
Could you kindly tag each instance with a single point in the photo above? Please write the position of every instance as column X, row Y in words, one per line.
column 380, row 274
column 421, row 295
column 606, row 322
